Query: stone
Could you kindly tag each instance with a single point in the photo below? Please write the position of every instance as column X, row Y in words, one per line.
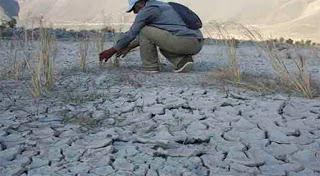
column 73, row 153
column 20, row 161
column 100, row 143
column 272, row 170
column 104, row 170
column 46, row 170
column 43, row 132
column 244, row 169
column 51, row 154
column 281, row 149
column 260, row 155
column 196, row 128
column 151, row 172
column 226, row 114
column 127, row 107
column 98, row 115
column 141, row 169
column 278, row 136
column 309, row 159
column 243, row 125
column 13, row 170
column 185, row 151
column 123, row 164
column 162, row 133
column 110, row 121
column 215, row 160
column 50, row 118
column 173, row 102
column 12, row 140
column 78, row 168
column 236, row 156
column 149, row 98
column 9, row 154
column 303, row 172
column 156, row 109
column 38, row 162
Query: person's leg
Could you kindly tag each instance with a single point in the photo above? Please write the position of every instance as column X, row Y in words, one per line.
column 176, row 49
column 148, row 53
column 175, row 59
column 171, row 43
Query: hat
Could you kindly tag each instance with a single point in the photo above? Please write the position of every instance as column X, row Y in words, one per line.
column 131, row 5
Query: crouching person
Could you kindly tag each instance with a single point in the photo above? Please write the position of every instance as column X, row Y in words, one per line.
column 162, row 25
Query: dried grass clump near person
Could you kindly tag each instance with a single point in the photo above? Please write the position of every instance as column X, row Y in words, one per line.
column 232, row 72
column 295, row 80
column 298, row 80
column 83, row 52
column 48, row 52
column 16, row 51
column 100, row 40
column 42, row 73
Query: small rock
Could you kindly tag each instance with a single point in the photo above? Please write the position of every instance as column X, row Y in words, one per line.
column 100, row 143
column 110, row 121
column 123, row 164
column 9, row 154
column 156, row 109
column 38, row 162
column 105, row 170
column 43, row 132
column 98, row 115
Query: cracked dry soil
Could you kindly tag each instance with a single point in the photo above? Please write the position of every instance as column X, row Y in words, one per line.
column 119, row 121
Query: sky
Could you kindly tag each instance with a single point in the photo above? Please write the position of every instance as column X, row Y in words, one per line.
column 287, row 18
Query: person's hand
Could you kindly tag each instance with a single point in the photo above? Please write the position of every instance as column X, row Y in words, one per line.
column 107, row 54
column 123, row 52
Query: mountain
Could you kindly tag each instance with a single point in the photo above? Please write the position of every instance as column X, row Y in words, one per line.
column 3, row 15
column 65, row 12
column 8, row 9
column 287, row 18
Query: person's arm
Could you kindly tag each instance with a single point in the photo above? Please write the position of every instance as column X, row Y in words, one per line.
column 131, row 46
column 143, row 18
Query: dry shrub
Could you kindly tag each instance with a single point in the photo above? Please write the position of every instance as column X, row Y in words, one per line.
column 15, row 65
column 220, row 31
column 36, row 80
column 48, row 52
column 83, row 51
column 297, row 80
column 100, row 40
column 42, row 73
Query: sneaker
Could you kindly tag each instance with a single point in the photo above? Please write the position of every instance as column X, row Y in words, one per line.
column 151, row 70
column 184, row 66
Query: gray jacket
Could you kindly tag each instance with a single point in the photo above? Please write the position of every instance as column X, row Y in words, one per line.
column 160, row 15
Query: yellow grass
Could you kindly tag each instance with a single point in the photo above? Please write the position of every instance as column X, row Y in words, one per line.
column 297, row 80
column 83, row 51
column 48, row 53
column 220, row 31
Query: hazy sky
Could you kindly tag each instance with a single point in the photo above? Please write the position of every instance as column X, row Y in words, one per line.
column 283, row 17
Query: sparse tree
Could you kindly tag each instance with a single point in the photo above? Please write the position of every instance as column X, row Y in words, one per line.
column 308, row 43
column 281, row 40
column 289, row 41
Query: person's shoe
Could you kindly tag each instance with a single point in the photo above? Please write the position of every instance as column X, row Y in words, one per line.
column 185, row 65
column 151, row 70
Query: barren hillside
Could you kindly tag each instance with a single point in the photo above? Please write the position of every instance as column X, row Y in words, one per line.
column 288, row 18
column 8, row 9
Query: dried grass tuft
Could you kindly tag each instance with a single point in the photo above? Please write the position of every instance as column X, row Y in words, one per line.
column 296, row 80
column 83, row 51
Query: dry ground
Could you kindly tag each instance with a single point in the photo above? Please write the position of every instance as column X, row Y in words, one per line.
column 120, row 121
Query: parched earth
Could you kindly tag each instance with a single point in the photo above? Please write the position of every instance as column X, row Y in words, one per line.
column 121, row 121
